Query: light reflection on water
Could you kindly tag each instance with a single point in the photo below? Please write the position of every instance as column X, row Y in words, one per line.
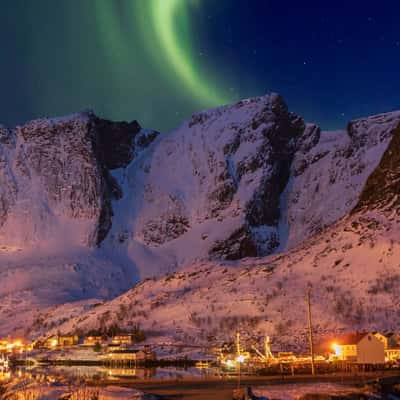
column 102, row 373
column 82, row 374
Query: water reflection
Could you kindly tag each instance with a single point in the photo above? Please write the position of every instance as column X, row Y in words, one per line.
column 89, row 372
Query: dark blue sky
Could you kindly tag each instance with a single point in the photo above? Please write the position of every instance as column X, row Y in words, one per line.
column 332, row 61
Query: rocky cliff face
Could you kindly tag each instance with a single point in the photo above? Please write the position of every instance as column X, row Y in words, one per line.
column 329, row 173
column 382, row 189
column 55, row 178
column 212, row 187
column 56, row 194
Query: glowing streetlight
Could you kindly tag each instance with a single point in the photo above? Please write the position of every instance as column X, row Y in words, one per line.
column 240, row 359
column 337, row 349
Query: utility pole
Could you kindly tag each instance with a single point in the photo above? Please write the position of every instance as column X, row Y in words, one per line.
column 238, row 348
column 238, row 360
column 310, row 330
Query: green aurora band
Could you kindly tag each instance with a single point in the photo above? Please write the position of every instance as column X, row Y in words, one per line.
column 125, row 59
column 165, row 13
column 165, row 28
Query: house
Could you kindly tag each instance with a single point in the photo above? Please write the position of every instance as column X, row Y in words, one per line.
column 54, row 341
column 126, row 356
column 382, row 338
column 392, row 354
column 92, row 341
column 360, row 348
column 70, row 340
column 123, row 340
column 390, row 340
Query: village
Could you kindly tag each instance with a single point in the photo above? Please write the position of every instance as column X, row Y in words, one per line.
column 120, row 349
column 368, row 350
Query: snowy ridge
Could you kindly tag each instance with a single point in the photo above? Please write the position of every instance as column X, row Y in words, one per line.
column 327, row 179
column 229, row 218
column 207, row 188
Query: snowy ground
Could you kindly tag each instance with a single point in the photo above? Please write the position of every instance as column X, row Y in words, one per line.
column 295, row 391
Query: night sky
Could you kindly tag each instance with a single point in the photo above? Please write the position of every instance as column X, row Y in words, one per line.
column 158, row 61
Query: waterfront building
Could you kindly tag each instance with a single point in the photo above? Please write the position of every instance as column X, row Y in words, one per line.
column 91, row 341
column 122, row 340
column 360, row 348
column 390, row 340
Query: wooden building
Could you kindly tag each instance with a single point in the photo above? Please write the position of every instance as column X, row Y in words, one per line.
column 55, row 341
column 91, row 341
column 123, row 340
column 119, row 357
column 69, row 340
column 390, row 340
column 359, row 348
column 392, row 354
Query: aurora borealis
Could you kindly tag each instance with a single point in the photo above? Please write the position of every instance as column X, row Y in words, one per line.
column 166, row 26
column 158, row 61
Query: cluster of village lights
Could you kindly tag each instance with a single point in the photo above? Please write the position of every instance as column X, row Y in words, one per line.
column 232, row 363
column 12, row 346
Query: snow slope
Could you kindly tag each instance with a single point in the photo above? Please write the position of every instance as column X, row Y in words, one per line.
column 208, row 188
column 352, row 267
column 229, row 217
column 55, row 206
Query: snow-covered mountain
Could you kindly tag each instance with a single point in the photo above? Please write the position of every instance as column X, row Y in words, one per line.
column 209, row 189
column 242, row 207
column 55, row 209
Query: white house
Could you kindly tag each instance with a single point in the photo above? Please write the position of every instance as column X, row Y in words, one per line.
column 360, row 348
